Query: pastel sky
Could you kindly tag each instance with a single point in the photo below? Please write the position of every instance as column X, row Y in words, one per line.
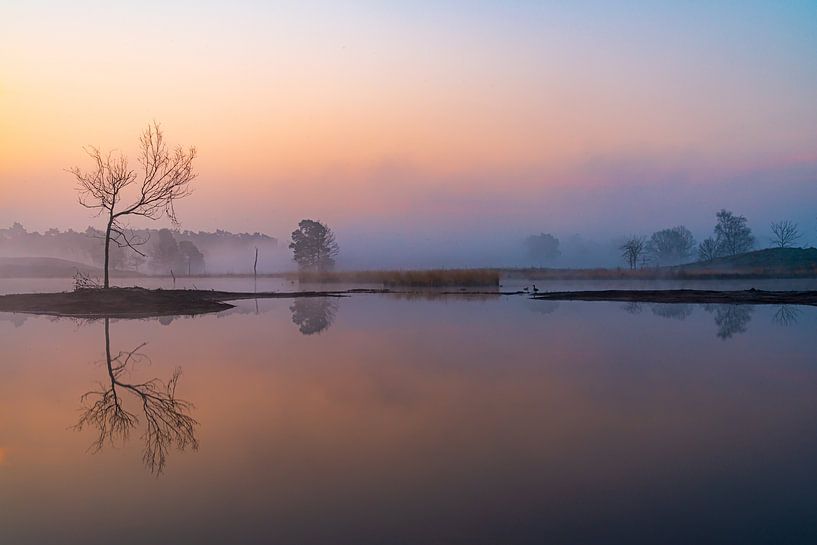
column 414, row 117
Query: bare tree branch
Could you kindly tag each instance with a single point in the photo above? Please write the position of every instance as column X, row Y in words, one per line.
column 165, row 177
column 168, row 419
column 785, row 232
column 632, row 249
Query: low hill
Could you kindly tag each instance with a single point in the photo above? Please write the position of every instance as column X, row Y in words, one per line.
column 769, row 262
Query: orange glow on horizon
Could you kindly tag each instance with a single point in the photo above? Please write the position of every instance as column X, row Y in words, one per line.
column 381, row 107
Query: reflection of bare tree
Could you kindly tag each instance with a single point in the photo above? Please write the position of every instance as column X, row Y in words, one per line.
column 632, row 307
column 731, row 319
column 313, row 314
column 675, row 311
column 167, row 418
column 786, row 315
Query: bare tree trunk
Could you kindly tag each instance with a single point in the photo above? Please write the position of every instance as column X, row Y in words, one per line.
column 107, row 251
column 108, row 345
column 255, row 271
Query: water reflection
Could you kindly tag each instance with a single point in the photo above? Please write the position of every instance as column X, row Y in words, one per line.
column 632, row 307
column 677, row 311
column 786, row 315
column 17, row 319
column 439, row 421
column 168, row 419
column 313, row 314
column 730, row 319
column 543, row 307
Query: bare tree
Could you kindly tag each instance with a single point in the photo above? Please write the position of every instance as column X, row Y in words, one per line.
column 167, row 419
column 671, row 246
column 632, row 249
column 164, row 178
column 732, row 234
column 785, row 232
column 708, row 250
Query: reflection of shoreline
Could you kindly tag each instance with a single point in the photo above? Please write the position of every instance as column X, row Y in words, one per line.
column 167, row 419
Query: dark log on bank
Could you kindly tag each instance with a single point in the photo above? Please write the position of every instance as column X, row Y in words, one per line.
column 744, row 297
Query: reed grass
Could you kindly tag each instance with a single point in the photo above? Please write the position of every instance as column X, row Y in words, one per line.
column 433, row 278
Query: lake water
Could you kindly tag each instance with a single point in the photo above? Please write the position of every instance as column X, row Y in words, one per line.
column 382, row 419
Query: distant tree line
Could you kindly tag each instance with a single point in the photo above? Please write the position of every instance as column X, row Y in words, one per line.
column 731, row 235
column 184, row 252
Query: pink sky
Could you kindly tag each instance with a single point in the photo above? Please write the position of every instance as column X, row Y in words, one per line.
column 412, row 120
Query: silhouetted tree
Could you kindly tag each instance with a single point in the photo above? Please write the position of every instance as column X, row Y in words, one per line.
column 671, row 246
column 732, row 235
column 313, row 246
column 785, row 233
column 164, row 178
column 542, row 247
column 191, row 257
column 632, row 249
column 165, row 255
column 167, row 418
column 708, row 250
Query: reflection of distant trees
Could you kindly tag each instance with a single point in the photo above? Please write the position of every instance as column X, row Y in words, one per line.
column 731, row 319
column 786, row 315
column 632, row 307
column 313, row 314
column 675, row 311
column 167, row 418
column 542, row 306
column 16, row 319
column 487, row 294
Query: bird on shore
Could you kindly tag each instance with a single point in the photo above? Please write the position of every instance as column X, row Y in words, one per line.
column 535, row 289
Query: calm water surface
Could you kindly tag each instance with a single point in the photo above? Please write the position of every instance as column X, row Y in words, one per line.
column 382, row 419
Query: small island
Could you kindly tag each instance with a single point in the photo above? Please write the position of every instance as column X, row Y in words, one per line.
column 144, row 303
